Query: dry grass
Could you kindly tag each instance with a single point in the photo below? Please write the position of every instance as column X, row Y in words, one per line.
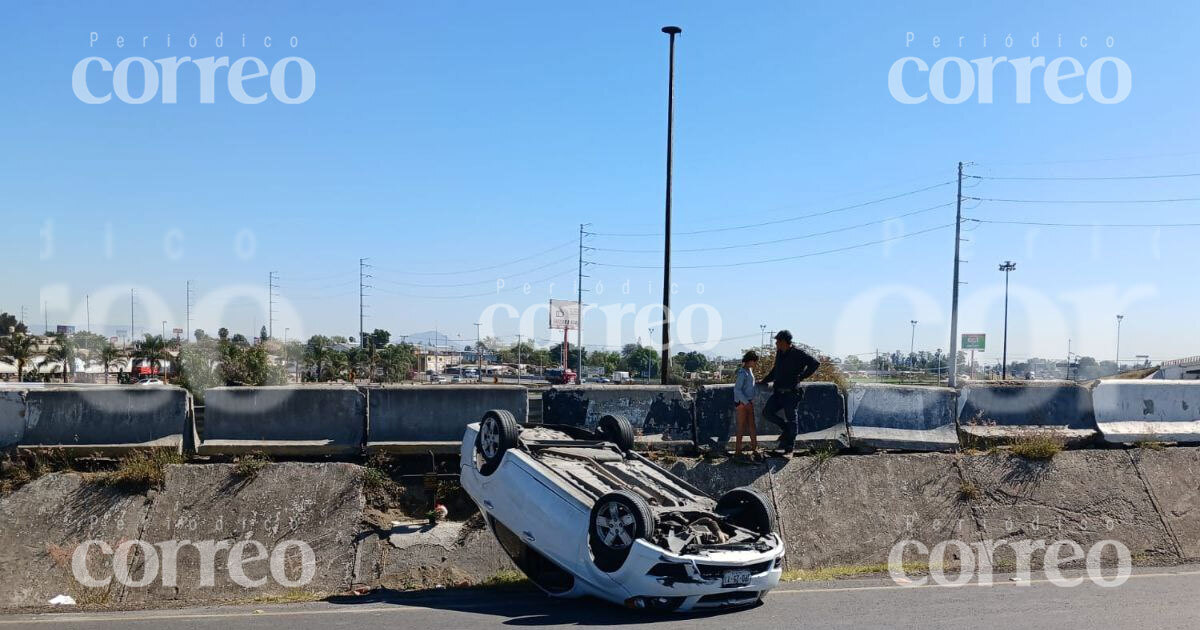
column 1150, row 445
column 825, row 574
column 824, row 453
column 290, row 596
column 140, row 470
column 1038, row 444
column 248, row 466
column 968, row 491
column 506, row 579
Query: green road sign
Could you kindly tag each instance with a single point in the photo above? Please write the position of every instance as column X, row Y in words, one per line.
column 973, row 341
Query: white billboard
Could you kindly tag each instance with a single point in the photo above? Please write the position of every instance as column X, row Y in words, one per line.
column 564, row 314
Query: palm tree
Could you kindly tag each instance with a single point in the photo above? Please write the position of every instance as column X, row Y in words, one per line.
column 63, row 353
column 18, row 348
column 109, row 357
column 153, row 349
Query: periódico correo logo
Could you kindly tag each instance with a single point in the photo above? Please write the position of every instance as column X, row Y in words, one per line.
column 249, row 80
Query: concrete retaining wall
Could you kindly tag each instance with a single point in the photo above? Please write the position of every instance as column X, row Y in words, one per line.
column 1003, row 411
column 821, row 413
column 902, row 417
column 1130, row 411
column 305, row 420
column 655, row 409
column 12, row 417
column 436, row 413
column 106, row 419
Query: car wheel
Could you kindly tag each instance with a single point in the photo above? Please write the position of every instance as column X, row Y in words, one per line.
column 616, row 429
column 618, row 518
column 748, row 508
column 498, row 431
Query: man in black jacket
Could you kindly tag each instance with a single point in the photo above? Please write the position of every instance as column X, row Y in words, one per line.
column 792, row 365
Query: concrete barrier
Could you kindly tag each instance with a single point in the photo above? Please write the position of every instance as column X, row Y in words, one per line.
column 655, row 409
column 12, row 417
column 416, row 418
column 1002, row 411
column 821, row 413
column 904, row 417
column 105, row 420
column 1129, row 411
column 286, row 420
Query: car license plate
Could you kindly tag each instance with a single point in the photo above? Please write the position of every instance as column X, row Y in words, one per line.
column 739, row 577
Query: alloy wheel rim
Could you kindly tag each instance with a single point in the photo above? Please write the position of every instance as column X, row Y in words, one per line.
column 615, row 525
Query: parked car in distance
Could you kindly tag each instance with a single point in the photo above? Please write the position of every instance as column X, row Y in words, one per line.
column 149, row 381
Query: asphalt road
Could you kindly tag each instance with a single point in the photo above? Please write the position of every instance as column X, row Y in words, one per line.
column 1152, row 598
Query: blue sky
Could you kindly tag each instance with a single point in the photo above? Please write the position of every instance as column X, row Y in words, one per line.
column 446, row 140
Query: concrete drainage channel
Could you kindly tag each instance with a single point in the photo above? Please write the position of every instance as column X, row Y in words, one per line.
column 365, row 527
column 839, row 511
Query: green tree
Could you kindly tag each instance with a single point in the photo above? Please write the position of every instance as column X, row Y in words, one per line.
column 317, row 356
column 63, row 352
column 380, row 338
column 8, row 322
column 262, row 335
column 200, row 336
column 223, row 333
column 395, row 362
column 198, row 369
column 638, row 359
column 18, row 349
column 109, row 357
column 153, row 349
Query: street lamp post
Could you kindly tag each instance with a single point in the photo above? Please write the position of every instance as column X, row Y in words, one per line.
column 164, row 329
column 912, row 343
column 1007, row 268
column 671, row 32
column 1118, row 361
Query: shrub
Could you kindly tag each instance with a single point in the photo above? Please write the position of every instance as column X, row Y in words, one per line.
column 1038, row 444
column 141, row 470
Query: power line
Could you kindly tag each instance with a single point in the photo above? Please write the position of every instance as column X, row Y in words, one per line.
column 557, row 275
column 1085, row 201
column 782, row 240
column 786, row 258
column 540, row 267
column 1085, row 179
column 477, row 269
column 786, row 219
column 1087, row 225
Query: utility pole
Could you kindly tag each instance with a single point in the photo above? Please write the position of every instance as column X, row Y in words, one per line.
column 1007, row 268
column 518, row 358
column 954, row 292
column 131, row 297
column 88, row 302
column 912, row 342
column 478, row 354
column 579, row 298
column 362, row 276
column 671, row 32
column 762, row 335
column 45, row 317
column 1118, row 361
column 164, row 330
column 272, row 284
column 187, row 328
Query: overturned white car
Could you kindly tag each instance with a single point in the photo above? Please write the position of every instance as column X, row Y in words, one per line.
column 580, row 513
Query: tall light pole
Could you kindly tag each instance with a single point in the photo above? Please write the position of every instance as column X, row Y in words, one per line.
column 478, row 354
column 665, row 370
column 1007, row 268
column 1119, row 318
column 164, row 329
column 912, row 341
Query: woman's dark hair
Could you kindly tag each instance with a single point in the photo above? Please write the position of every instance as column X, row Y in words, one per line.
column 750, row 356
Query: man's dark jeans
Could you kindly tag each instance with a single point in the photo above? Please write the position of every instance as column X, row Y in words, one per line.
column 785, row 400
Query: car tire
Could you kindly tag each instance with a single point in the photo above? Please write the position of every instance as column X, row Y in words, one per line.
column 616, row 429
column 748, row 508
column 617, row 520
column 498, row 432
